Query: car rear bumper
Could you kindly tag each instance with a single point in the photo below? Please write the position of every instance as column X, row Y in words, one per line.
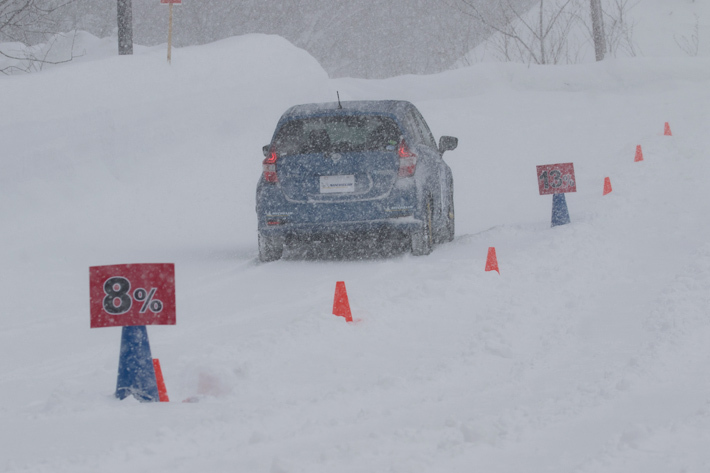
column 394, row 226
column 394, row 213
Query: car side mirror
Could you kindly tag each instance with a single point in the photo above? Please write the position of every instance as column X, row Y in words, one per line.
column 265, row 149
column 447, row 143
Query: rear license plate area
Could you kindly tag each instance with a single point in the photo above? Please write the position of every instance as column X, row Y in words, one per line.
column 337, row 184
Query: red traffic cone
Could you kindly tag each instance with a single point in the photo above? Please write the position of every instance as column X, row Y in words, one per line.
column 492, row 261
column 341, row 306
column 162, row 390
column 667, row 130
column 639, row 154
column 607, row 186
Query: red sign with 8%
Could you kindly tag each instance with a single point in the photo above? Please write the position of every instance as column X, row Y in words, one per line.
column 132, row 294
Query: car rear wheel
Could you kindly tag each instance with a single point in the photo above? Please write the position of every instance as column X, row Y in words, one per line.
column 450, row 217
column 270, row 248
column 423, row 237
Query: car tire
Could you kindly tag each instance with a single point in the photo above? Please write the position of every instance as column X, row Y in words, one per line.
column 270, row 248
column 450, row 216
column 423, row 237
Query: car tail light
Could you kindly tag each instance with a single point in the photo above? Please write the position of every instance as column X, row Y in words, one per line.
column 407, row 160
column 269, row 166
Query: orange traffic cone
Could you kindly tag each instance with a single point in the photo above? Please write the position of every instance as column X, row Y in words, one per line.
column 607, row 186
column 639, row 154
column 341, row 306
column 492, row 261
column 667, row 130
column 162, row 390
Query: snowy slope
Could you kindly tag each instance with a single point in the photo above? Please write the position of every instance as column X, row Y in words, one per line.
column 587, row 353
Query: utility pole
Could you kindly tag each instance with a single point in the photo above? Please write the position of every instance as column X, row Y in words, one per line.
column 125, row 27
column 598, row 29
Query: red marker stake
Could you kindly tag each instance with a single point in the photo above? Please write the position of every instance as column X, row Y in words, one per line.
column 492, row 260
column 639, row 154
column 341, row 306
column 162, row 390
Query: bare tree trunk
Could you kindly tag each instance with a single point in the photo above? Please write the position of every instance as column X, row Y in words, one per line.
column 125, row 27
column 541, row 35
column 598, row 29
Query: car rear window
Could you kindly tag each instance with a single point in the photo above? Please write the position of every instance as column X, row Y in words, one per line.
column 336, row 134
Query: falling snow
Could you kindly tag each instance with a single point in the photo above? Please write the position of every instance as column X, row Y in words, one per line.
column 587, row 351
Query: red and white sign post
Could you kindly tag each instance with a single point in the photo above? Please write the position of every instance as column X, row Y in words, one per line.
column 170, row 25
column 557, row 179
column 133, row 296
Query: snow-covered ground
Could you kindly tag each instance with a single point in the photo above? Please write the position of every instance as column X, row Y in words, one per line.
column 589, row 352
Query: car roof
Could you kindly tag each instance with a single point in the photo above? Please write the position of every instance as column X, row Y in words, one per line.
column 396, row 108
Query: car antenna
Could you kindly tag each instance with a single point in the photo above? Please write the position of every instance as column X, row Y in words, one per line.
column 340, row 106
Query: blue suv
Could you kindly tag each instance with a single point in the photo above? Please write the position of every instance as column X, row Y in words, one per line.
column 354, row 168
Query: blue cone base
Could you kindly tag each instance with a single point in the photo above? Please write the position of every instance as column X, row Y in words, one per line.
column 136, row 375
column 560, row 215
